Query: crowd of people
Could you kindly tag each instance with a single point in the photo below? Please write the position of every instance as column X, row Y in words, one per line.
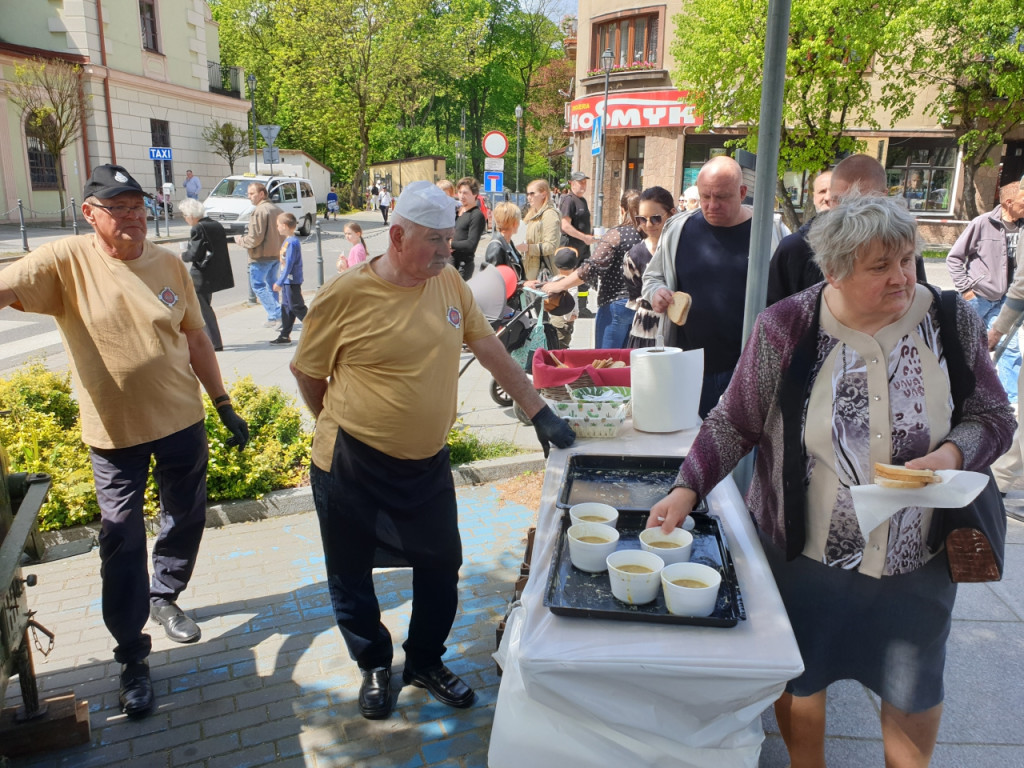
column 856, row 360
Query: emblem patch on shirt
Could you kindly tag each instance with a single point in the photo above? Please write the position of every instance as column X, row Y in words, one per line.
column 454, row 317
column 167, row 296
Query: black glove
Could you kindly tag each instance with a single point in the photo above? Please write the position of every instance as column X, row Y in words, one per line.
column 236, row 426
column 552, row 429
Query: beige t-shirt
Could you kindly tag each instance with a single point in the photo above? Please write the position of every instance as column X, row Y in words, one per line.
column 391, row 355
column 122, row 324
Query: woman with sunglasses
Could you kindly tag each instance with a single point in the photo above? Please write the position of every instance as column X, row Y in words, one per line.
column 543, row 230
column 611, row 327
column 654, row 210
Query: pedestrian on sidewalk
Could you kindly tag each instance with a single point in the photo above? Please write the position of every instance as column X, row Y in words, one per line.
column 192, row 186
column 357, row 254
column 469, row 227
column 207, row 252
column 263, row 243
column 385, row 204
column 133, row 331
column 332, row 204
column 289, row 284
column 384, row 394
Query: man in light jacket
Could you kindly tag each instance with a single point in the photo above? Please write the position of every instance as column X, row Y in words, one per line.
column 263, row 243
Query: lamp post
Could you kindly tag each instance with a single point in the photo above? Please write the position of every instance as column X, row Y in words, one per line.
column 568, row 157
column 519, row 119
column 251, row 79
column 551, row 167
column 607, row 59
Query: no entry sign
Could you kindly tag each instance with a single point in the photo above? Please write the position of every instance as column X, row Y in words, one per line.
column 495, row 144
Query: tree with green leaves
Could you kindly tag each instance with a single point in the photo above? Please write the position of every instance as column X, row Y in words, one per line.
column 966, row 57
column 48, row 94
column 228, row 141
column 833, row 44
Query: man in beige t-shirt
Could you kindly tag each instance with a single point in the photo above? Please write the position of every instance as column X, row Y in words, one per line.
column 378, row 365
column 263, row 242
column 132, row 328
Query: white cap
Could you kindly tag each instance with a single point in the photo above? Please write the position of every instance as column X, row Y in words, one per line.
column 423, row 203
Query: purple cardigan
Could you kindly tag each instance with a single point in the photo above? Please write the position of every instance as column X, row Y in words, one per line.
column 766, row 399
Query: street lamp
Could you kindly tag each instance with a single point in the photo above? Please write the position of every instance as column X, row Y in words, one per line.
column 251, row 79
column 519, row 118
column 607, row 59
column 568, row 158
column 551, row 166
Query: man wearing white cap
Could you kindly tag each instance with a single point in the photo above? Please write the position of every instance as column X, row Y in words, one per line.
column 378, row 365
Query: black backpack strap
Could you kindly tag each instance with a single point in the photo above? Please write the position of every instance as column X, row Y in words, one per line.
column 961, row 375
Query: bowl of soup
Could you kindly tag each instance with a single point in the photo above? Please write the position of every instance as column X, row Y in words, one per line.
column 672, row 547
column 594, row 512
column 590, row 544
column 635, row 575
column 691, row 589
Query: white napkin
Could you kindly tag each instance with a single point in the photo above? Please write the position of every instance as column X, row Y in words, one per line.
column 875, row 504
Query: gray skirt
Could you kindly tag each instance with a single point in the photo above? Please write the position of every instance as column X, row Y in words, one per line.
column 888, row 634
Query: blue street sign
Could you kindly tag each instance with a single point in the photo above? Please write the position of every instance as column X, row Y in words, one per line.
column 597, row 137
column 494, row 181
column 160, row 153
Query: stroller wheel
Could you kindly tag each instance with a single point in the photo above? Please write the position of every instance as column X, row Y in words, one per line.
column 521, row 415
column 498, row 395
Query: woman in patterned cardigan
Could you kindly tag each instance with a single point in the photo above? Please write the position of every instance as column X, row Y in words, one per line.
column 844, row 374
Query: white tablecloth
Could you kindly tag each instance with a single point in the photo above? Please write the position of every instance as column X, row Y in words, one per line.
column 589, row 692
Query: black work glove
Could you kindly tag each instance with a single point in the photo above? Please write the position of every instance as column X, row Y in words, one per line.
column 236, row 426
column 552, row 429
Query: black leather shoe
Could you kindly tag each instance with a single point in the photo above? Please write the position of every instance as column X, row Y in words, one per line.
column 179, row 627
column 443, row 684
column 375, row 693
column 136, row 689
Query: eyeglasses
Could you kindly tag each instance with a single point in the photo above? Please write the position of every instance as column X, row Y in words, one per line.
column 121, row 211
column 655, row 220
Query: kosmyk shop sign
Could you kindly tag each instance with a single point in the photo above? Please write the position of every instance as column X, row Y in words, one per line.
column 643, row 109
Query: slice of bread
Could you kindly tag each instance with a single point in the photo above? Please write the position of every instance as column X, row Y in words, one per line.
column 895, row 476
column 679, row 309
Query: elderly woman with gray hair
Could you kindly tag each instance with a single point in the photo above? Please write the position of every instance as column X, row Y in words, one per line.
column 207, row 250
column 850, row 372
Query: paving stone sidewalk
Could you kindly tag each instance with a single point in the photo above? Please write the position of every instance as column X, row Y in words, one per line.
column 271, row 683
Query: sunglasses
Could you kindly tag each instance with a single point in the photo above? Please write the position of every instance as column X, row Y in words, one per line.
column 655, row 220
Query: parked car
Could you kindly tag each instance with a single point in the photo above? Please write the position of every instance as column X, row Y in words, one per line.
column 229, row 204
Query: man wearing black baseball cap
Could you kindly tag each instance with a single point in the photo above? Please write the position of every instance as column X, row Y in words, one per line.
column 133, row 331
column 576, row 228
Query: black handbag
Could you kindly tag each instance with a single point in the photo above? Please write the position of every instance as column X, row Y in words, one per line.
column 975, row 535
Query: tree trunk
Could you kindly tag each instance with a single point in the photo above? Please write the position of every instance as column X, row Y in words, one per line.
column 789, row 217
column 356, row 196
column 969, row 197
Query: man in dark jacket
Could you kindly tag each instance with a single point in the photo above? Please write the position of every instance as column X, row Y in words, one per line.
column 207, row 251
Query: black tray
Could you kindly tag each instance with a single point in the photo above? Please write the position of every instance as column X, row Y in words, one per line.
column 572, row 592
column 628, row 483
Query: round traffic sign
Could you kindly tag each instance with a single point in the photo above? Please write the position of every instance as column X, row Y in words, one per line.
column 495, row 144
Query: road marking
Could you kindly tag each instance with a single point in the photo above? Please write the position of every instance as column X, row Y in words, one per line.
column 10, row 325
column 30, row 344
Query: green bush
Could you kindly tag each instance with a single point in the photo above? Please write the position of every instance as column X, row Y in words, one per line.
column 42, row 434
column 464, row 446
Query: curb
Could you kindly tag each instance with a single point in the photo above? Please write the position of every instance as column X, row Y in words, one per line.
column 290, row 501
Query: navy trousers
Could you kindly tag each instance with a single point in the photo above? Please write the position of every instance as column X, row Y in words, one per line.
column 120, row 475
column 353, row 519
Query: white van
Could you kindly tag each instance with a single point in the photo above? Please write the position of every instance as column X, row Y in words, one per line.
column 229, row 204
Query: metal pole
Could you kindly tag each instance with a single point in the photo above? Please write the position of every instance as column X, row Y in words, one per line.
column 156, row 218
column 21, row 224
column 252, row 116
column 319, row 257
column 599, row 206
column 163, row 186
column 765, row 178
column 74, row 216
column 462, row 135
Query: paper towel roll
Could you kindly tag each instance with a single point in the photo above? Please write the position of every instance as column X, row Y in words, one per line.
column 666, row 384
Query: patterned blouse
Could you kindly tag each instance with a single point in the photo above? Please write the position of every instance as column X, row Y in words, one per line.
column 606, row 262
column 874, row 398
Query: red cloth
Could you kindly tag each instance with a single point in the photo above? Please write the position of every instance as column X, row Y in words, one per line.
column 547, row 374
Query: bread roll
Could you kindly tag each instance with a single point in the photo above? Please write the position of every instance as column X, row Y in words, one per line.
column 679, row 309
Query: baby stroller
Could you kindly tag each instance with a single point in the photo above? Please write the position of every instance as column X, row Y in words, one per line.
column 517, row 315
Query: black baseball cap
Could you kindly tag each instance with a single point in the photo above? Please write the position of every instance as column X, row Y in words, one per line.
column 566, row 258
column 108, row 181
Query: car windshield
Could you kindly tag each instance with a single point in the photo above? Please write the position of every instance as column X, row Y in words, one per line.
column 232, row 188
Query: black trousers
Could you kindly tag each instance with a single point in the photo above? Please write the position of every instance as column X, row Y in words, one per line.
column 353, row 520
column 120, row 475
column 212, row 329
column 384, row 211
column 292, row 306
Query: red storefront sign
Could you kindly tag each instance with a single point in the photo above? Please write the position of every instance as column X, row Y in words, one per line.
column 638, row 109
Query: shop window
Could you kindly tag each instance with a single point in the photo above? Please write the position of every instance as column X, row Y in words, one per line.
column 160, row 135
column 42, row 166
column 697, row 151
column 921, row 172
column 147, row 16
column 633, row 40
column 634, row 163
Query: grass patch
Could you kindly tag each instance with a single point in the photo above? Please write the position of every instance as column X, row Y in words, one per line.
column 465, row 447
column 935, row 255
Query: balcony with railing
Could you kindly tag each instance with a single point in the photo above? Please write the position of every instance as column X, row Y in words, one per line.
column 225, row 80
